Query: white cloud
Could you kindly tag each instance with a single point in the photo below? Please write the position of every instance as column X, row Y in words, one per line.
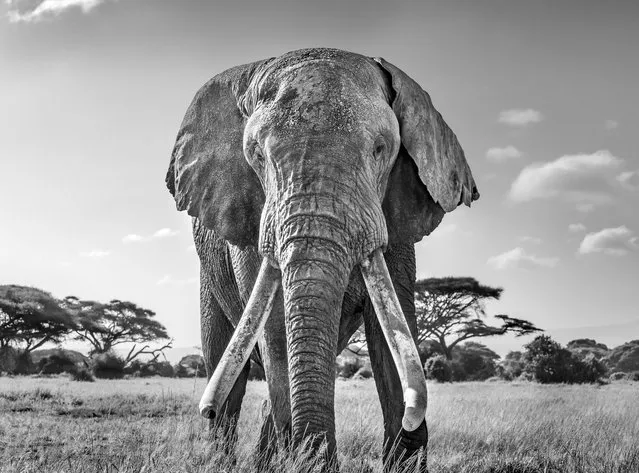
column 164, row 232
column 520, row 117
column 577, row 227
column 530, row 239
column 161, row 233
column 36, row 10
column 611, row 124
column 629, row 180
column 503, row 154
column 95, row 254
column 577, row 178
column 519, row 258
column 610, row 241
column 167, row 279
column 132, row 238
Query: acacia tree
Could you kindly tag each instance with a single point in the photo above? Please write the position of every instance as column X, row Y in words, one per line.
column 451, row 310
column 31, row 317
column 105, row 326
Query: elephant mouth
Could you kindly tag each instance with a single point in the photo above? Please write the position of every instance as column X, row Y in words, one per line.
column 389, row 313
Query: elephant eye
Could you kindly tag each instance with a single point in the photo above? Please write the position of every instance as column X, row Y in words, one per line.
column 380, row 146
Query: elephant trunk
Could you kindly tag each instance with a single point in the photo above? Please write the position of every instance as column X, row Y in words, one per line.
column 315, row 273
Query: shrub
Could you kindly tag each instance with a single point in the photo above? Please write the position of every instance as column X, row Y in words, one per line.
column 618, row 376
column 363, row 373
column 583, row 347
column 56, row 363
column 526, row 377
column 429, row 348
column 15, row 361
column 457, row 371
column 588, row 370
column 473, row 361
column 82, row 373
column 150, row 368
column 108, row 366
column 164, row 369
column 182, row 371
column 133, row 368
column 548, row 362
column 624, row 357
column 512, row 366
column 348, row 366
column 190, row 366
column 438, row 368
column 8, row 359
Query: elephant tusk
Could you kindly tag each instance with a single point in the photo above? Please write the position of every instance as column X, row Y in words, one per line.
column 400, row 341
column 239, row 349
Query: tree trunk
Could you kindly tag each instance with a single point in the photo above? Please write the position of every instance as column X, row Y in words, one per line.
column 448, row 352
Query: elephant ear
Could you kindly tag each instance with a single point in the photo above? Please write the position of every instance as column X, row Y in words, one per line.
column 208, row 175
column 431, row 144
column 409, row 209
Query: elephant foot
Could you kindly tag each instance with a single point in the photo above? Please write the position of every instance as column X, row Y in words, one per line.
column 270, row 440
column 223, row 434
column 409, row 452
column 267, row 443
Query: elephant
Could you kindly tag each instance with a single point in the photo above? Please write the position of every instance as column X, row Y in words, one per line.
column 309, row 178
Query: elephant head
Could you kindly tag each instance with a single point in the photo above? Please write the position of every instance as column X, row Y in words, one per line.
column 320, row 158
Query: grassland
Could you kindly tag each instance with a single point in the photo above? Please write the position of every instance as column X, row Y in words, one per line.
column 151, row 425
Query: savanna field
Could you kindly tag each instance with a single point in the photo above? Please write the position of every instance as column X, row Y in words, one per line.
column 151, row 425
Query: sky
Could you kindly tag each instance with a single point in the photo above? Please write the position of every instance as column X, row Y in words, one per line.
column 542, row 96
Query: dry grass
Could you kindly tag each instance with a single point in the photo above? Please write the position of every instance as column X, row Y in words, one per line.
column 151, row 425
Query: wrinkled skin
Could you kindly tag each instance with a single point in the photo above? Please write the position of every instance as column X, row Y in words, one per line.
column 313, row 160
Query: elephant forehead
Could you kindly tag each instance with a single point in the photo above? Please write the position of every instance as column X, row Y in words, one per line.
column 331, row 62
column 321, row 92
column 319, row 100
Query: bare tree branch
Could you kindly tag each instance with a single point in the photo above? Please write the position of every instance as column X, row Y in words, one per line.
column 146, row 350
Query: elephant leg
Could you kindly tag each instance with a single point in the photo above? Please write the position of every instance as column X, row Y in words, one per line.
column 400, row 446
column 216, row 331
column 276, row 414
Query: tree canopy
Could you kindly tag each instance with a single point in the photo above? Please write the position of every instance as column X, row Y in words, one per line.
column 548, row 362
column 106, row 325
column 583, row 347
column 624, row 358
column 473, row 361
column 31, row 317
column 451, row 310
